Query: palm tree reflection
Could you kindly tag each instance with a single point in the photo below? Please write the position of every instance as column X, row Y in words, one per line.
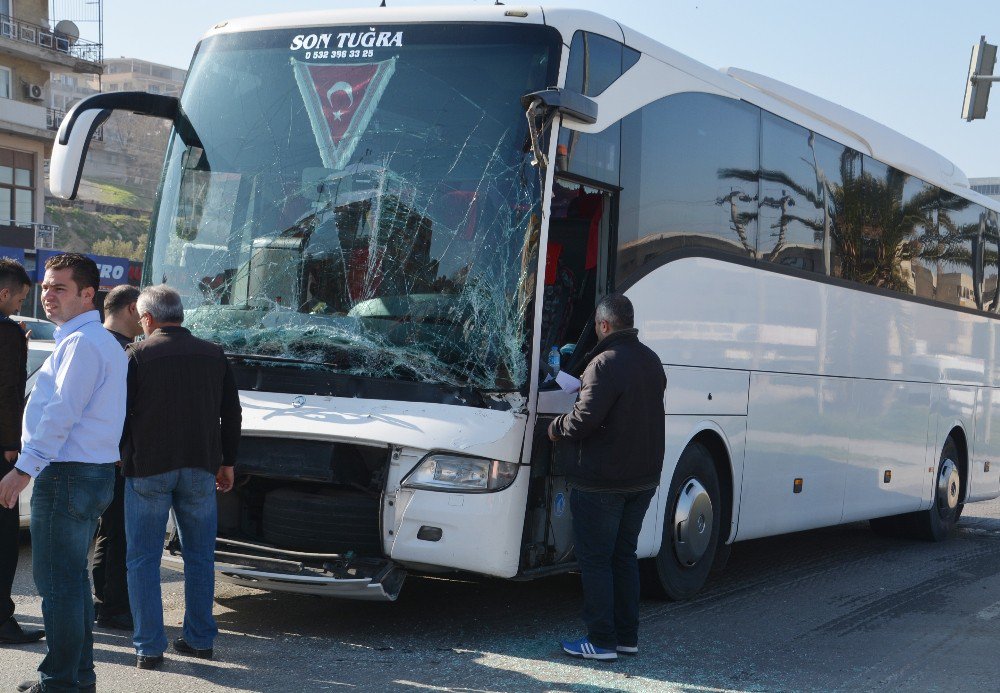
column 868, row 225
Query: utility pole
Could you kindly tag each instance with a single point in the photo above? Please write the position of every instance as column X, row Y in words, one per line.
column 977, row 87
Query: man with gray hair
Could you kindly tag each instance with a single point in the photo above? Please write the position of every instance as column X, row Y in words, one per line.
column 182, row 432
column 618, row 422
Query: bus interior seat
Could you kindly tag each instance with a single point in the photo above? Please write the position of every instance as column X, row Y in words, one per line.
column 571, row 277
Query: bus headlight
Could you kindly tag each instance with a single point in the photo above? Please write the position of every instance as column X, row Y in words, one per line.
column 442, row 472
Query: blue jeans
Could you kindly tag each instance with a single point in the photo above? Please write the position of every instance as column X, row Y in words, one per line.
column 66, row 502
column 148, row 500
column 606, row 527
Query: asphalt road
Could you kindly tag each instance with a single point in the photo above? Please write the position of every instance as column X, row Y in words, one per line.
column 839, row 609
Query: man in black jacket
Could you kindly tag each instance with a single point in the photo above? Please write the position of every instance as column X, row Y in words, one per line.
column 14, row 286
column 182, row 432
column 618, row 422
column 111, row 607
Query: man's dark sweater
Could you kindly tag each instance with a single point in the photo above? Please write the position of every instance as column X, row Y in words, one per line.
column 618, row 419
column 13, row 373
column 183, row 405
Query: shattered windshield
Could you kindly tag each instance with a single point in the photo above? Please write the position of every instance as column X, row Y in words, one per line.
column 359, row 199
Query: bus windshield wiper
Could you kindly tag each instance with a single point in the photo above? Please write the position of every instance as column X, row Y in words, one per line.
column 280, row 359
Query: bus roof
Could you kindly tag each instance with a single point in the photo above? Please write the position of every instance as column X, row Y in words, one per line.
column 816, row 113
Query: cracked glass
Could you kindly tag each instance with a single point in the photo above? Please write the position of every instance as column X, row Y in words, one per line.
column 359, row 199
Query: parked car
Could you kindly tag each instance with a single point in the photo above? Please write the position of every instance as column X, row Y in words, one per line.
column 41, row 329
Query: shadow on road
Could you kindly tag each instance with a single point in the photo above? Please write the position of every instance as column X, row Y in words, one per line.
column 484, row 632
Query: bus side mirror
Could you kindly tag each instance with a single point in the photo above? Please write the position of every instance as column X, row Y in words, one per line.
column 79, row 125
column 565, row 102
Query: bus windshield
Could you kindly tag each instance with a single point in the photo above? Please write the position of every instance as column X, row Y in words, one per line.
column 359, row 199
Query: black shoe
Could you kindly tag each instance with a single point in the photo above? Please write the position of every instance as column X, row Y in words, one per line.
column 12, row 634
column 97, row 611
column 180, row 644
column 117, row 622
column 148, row 661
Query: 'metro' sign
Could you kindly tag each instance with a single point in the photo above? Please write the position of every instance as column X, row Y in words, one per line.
column 114, row 270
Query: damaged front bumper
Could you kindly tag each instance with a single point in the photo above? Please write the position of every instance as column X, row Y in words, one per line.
column 332, row 575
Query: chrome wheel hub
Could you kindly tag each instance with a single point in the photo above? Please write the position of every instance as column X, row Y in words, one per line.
column 949, row 486
column 693, row 519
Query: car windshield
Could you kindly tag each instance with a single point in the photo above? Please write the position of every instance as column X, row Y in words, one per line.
column 360, row 198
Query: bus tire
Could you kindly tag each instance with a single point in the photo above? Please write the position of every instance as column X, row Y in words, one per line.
column 936, row 523
column 690, row 529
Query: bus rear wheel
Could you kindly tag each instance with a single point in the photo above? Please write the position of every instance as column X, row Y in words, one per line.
column 937, row 522
column 690, row 529
column 940, row 520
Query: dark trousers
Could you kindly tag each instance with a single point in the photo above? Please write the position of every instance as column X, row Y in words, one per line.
column 110, row 573
column 66, row 503
column 606, row 528
column 9, row 530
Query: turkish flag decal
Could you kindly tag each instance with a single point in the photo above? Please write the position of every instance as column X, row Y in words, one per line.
column 340, row 100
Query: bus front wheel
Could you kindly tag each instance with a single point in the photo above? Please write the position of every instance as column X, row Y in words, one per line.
column 690, row 529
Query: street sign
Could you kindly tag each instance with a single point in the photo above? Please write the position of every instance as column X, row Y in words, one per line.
column 113, row 270
column 12, row 253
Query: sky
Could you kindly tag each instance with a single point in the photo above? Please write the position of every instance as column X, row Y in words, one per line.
column 903, row 63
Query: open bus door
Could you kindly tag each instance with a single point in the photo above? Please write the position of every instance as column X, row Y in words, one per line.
column 579, row 264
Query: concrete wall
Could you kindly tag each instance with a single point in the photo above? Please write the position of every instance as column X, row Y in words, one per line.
column 24, row 71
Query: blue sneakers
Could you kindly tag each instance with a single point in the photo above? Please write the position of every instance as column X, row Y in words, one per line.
column 584, row 648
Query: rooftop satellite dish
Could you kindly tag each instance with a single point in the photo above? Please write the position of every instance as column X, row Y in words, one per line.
column 68, row 29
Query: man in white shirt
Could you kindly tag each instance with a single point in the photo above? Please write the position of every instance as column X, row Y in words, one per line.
column 69, row 445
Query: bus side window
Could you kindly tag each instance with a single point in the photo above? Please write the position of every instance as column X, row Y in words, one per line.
column 991, row 263
column 796, row 228
column 958, row 231
column 595, row 62
column 690, row 174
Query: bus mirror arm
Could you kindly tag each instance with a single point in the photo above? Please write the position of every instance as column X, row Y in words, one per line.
column 541, row 108
column 78, row 127
column 565, row 102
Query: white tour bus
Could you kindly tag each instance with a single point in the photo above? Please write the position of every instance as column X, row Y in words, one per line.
column 389, row 217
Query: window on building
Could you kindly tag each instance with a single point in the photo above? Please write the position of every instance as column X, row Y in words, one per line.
column 5, row 83
column 17, row 192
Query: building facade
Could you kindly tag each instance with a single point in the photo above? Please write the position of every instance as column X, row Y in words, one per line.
column 132, row 74
column 32, row 45
column 986, row 186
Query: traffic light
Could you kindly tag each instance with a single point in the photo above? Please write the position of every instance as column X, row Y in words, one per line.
column 977, row 87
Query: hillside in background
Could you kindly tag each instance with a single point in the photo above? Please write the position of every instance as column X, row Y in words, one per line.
column 106, row 219
column 111, row 213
